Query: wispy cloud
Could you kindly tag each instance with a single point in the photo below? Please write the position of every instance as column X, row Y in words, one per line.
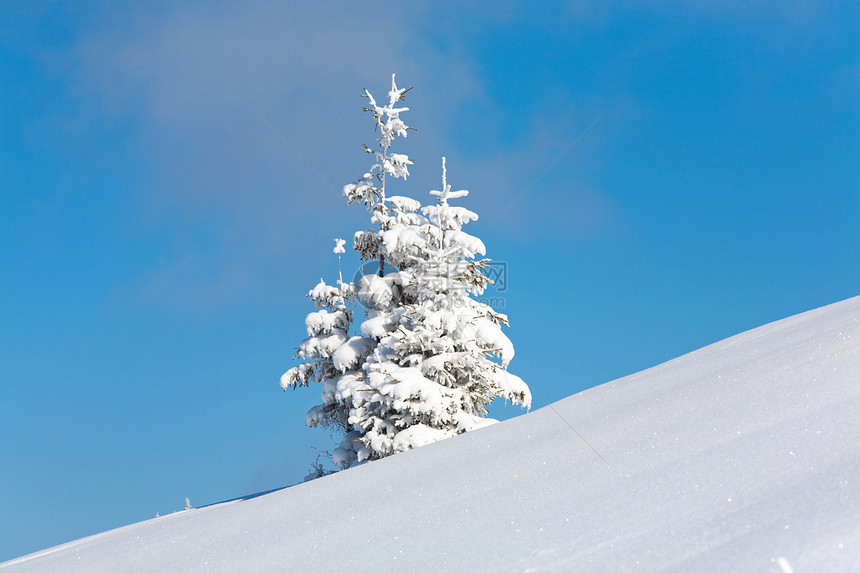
column 193, row 81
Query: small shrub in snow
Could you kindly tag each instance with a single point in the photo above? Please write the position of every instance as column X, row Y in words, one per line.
column 429, row 357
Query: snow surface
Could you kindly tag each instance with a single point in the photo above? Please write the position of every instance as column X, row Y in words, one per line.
column 741, row 456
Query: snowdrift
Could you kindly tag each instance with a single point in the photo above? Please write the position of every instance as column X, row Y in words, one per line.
column 741, row 456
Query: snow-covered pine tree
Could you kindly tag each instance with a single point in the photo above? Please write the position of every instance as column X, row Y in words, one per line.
column 331, row 356
column 389, row 214
column 430, row 357
column 440, row 356
column 324, row 351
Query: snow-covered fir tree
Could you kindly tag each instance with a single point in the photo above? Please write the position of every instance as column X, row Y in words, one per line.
column 429, row 357
column 328, row 333
column 390, row 215
column 329, row 353
column 440, row 356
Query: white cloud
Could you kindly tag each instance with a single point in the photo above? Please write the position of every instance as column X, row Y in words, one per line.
column 200, row 81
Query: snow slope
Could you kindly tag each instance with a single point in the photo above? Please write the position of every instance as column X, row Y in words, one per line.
column 741, row 456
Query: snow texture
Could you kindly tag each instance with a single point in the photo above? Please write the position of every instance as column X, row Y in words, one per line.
column 742, row 456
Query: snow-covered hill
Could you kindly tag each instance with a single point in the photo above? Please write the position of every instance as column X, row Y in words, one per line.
column 742, row 456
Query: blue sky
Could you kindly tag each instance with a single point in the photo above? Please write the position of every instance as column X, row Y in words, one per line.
column 656, row 177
